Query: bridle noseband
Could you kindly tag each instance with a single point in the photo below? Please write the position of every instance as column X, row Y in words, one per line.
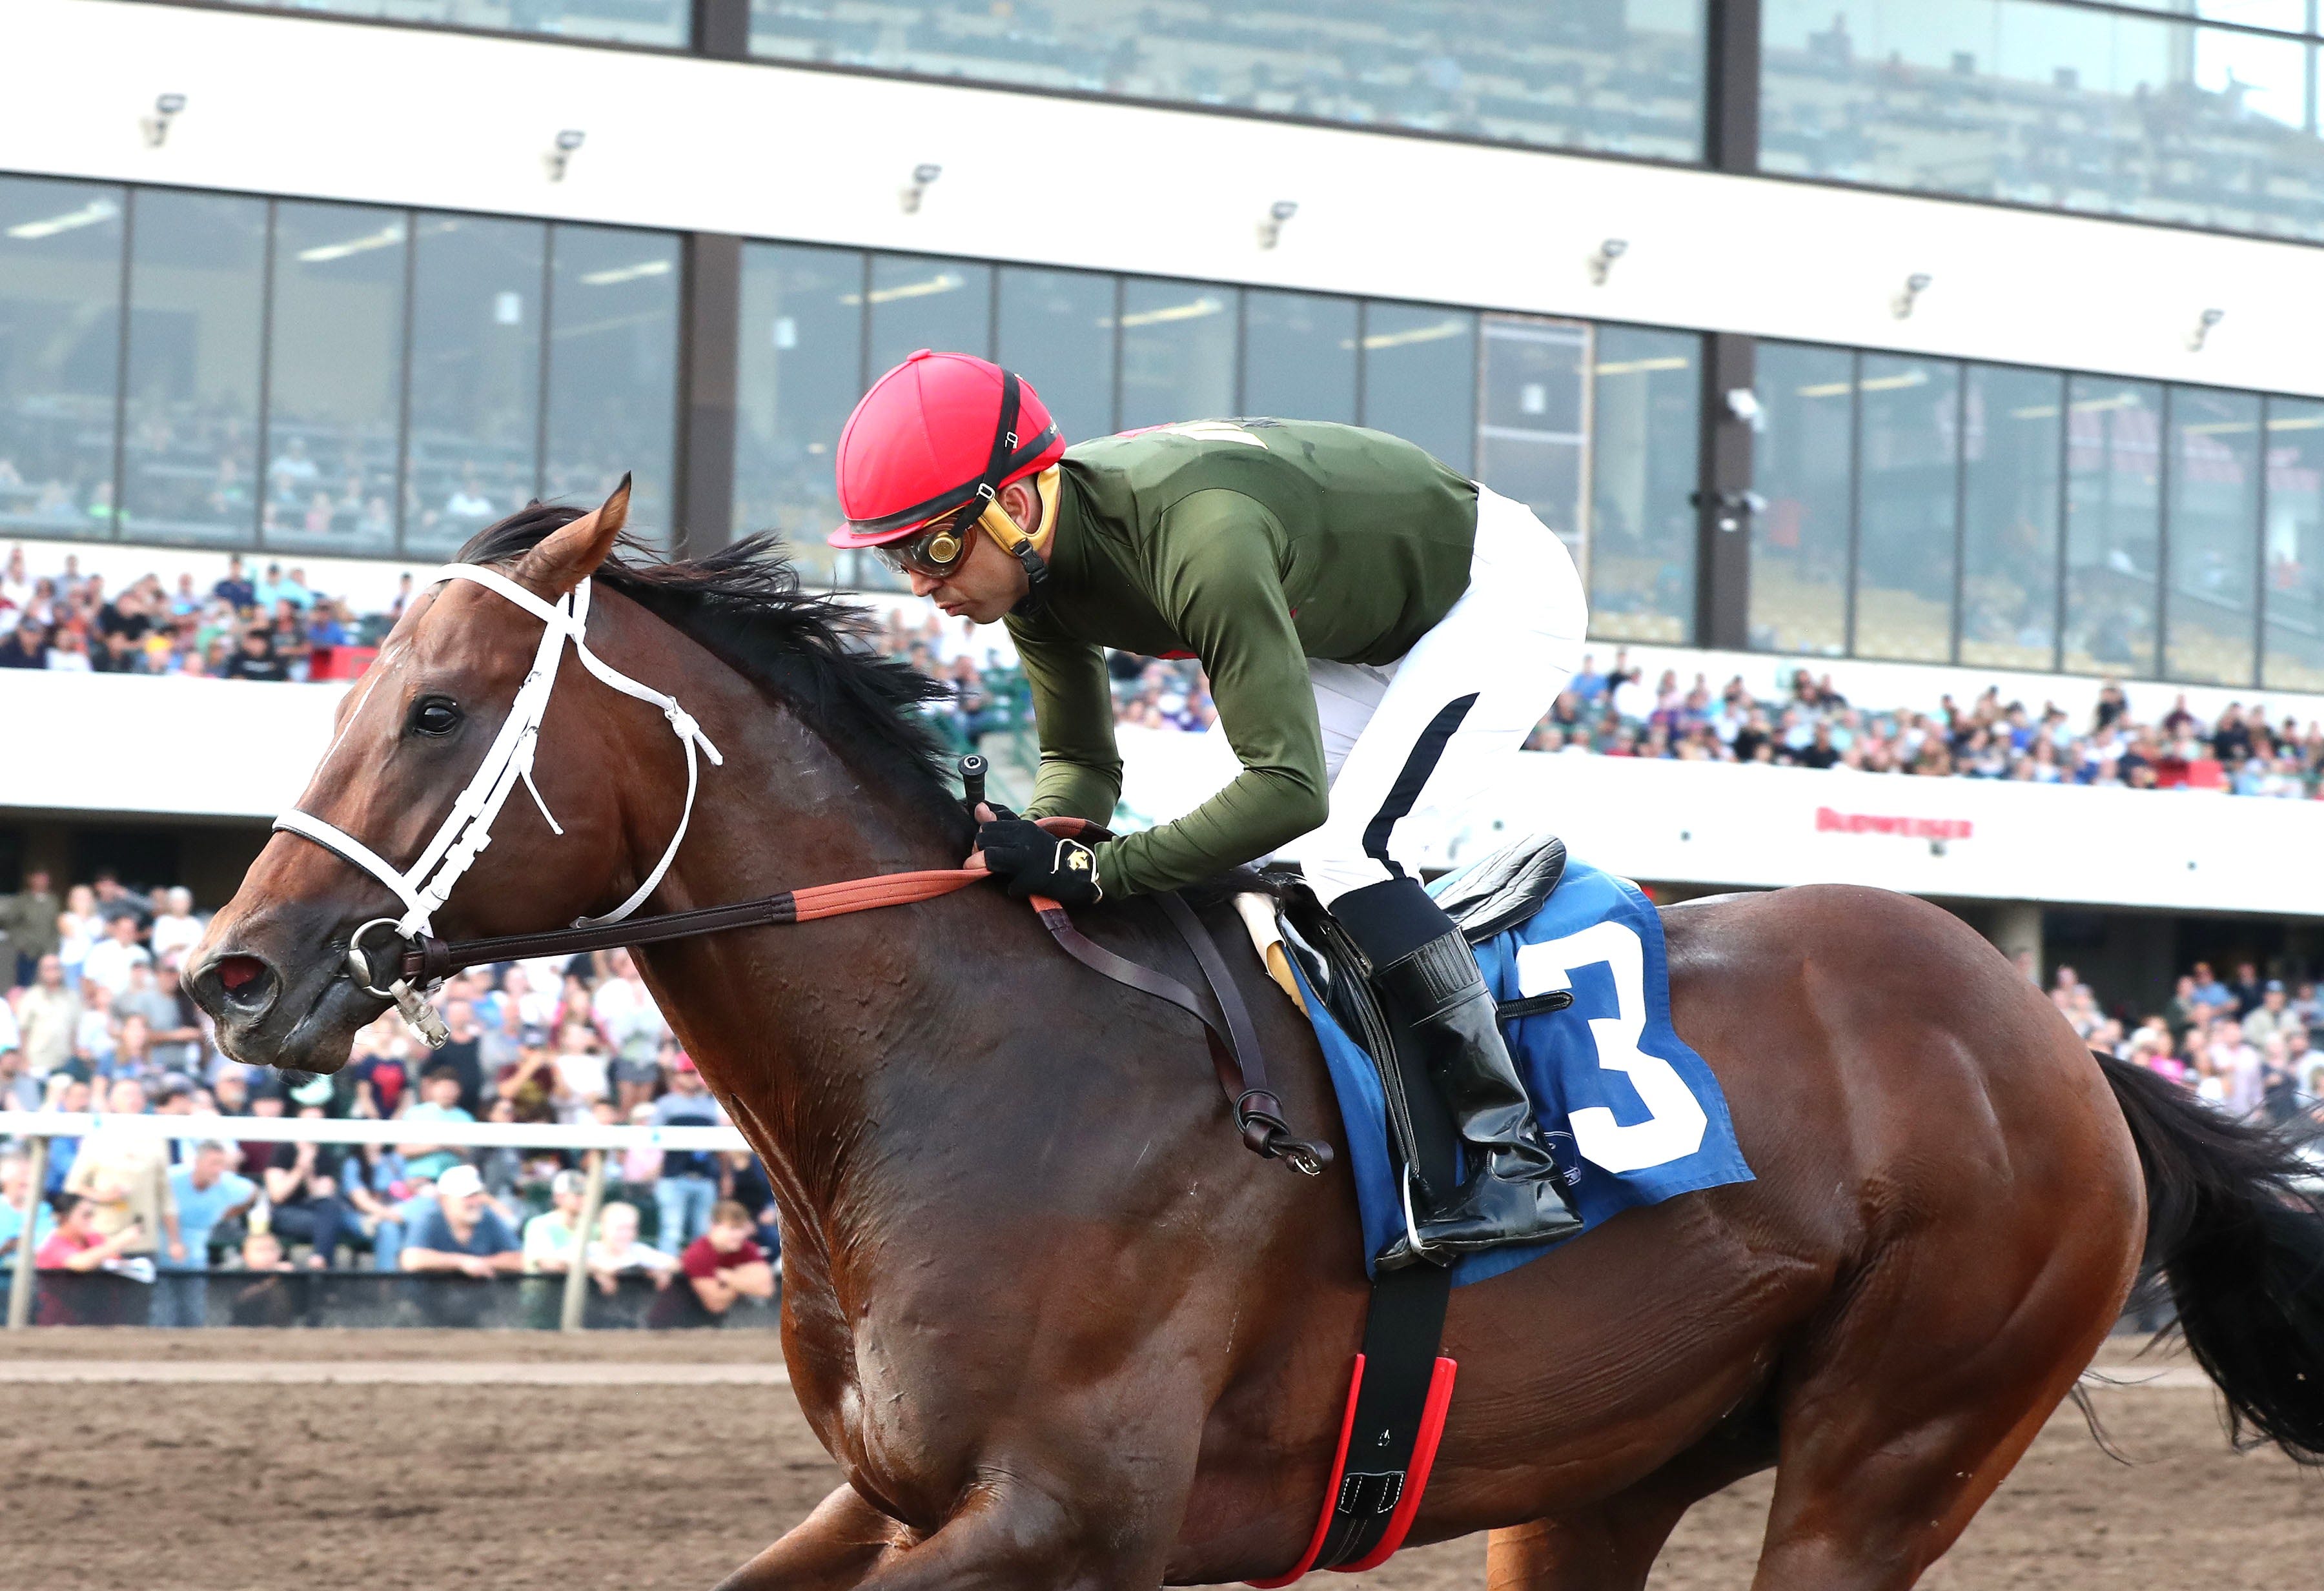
column 466, row 830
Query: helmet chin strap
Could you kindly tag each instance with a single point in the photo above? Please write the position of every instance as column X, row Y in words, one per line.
column 1024, row 549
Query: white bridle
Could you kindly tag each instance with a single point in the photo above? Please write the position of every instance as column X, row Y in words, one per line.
column 466, row 830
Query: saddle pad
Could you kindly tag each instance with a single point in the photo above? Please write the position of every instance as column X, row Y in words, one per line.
column 1647, row 1118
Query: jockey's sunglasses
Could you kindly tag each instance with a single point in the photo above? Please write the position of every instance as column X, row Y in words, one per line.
column 937, row 547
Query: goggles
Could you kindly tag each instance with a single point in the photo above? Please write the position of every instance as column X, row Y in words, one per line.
column 937, row 548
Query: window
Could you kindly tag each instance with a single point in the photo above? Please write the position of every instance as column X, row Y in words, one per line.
column 2009, row 533
column 1645, row 421
column 1533, row 427
column 800, row 373
column 2209, row 623
column 1799, row 541
column 60, row 355
column 1597, row 76
column 1178, row 351
column 473, row 453
column 190, row 421
column 1420, row 377
column 1298, row 356
column 2064, row 106
column 613, row 367
column 1907, row 508
column 918, row 303
column 2295, row 545
column 2114, row 457
column 1056, row 331
column 334, row 376
column 666, row 22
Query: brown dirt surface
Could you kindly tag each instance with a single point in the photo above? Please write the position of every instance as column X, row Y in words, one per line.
column 231, row 1487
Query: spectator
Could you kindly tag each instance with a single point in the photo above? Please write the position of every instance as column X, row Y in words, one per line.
column 123, row 1174
column 29, row 920
column 549, row 1236
column 615, row 1252
column 688, row 1185
column 208, row 1195
column 303, row 1187
column 16, row 1196
column 461, row 1233
column 723, row 1265
column 440, row 1101
column 79, row 926
column 625, row 1014
column 2272, row 1017
column 80, row 1243
column 111, row 956
column 176, row 929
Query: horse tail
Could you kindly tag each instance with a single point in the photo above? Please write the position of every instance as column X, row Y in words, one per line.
column 2241, row 1252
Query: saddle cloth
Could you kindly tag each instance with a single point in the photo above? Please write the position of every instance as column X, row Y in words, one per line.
column 1636, row 1115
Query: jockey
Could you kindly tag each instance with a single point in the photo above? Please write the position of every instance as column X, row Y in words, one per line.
column 1380, row 634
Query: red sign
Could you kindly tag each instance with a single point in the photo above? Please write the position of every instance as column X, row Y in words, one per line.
column 1913, row 828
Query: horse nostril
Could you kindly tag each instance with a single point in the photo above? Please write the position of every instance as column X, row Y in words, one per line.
column 247, row 983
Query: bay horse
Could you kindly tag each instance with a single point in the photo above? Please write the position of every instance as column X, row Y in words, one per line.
column 1056, row 1325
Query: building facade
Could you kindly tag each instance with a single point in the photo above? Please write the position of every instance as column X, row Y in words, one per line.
column 1973, row 332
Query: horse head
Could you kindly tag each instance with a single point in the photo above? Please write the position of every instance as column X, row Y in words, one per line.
column 411, row 764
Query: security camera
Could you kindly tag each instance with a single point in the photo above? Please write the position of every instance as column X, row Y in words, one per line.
column 926, row 173
column 2202, row 332
column 1602, row 261
column 1901, row 306
column 559, row 158
column 1271, row 231
column 157, row 125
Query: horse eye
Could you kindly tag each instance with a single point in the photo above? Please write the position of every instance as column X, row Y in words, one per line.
column 435, row 716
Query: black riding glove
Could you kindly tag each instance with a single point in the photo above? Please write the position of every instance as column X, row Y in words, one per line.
column 1035, row 862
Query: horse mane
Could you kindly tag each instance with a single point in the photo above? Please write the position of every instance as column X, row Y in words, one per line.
column 744, row 603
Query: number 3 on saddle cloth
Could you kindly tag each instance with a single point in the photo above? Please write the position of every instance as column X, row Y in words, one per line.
column 1583, row 985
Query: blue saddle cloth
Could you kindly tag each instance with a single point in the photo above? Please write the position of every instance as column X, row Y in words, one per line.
column 1646, row 1117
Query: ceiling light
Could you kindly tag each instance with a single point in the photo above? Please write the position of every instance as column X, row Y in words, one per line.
column 90, row 214
column 386, row 237
column 1205, row 304
column 621, row 273
column 943, row 282
column 1454, row 327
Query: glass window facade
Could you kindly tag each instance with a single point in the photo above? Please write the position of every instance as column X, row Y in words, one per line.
column 2013, row 436
column 1533, row 421
column 668, row 24
column 920, row 303
column 1646, row 419
column 1055, row 329
column 2074, row 106
column 1420, row 377
column 2293, row 545
column 319, row 378
column 2114, row 524
column 1178, row 355
column 2210, row 601
column 1606, row 76
column 1908, row 501
column 610, row 393
column 799, row 371
column 60, row 356
column 1298, row 355
column 1800, row 539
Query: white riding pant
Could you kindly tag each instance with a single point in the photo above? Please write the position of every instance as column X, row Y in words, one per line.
column 1428, row 733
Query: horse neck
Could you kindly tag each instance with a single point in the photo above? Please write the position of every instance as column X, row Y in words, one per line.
column 795, row 1028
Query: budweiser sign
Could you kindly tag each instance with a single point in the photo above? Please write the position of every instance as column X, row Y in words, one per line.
column 1831, row 821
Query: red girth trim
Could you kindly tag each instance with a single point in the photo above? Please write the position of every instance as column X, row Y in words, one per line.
column 1415, row 1478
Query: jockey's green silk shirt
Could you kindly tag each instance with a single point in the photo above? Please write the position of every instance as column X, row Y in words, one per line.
column 1253, row 545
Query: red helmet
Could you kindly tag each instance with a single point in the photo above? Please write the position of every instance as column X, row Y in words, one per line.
column 931, row 436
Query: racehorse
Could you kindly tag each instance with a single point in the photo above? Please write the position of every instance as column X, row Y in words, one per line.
column 1059, row 1329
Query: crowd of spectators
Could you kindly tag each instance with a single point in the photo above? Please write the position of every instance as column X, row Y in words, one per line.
column 273, row 626
column 95, row 1020
column 2244, row 1045
column 1614, row 712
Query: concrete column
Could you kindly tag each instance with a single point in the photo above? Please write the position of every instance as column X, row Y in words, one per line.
column 2016, row 926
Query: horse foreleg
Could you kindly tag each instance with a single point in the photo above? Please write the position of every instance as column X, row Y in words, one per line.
column 831, row 1549
column 1009, row 1534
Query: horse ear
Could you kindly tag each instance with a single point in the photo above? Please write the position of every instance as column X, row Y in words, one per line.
column 566, row 557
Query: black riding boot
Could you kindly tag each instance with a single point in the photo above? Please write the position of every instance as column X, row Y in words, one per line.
column 1426, row 972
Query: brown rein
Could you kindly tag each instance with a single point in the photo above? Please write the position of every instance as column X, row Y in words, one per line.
column 1235, row 1051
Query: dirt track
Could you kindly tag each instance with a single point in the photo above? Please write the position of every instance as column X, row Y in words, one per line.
column 234, row 1486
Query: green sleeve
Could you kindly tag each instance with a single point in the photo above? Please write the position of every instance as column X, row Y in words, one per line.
column 1217, row 581
column 1073, row 706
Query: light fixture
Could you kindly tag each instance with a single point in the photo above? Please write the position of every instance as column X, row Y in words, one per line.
column 1901, row 306
column 1271, row 231
column 1602, row 261
column 560, row 157
column 1743, row 403
column 923, row 174
column 2202, row 332
column 1733, row 508
column 157, row 125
